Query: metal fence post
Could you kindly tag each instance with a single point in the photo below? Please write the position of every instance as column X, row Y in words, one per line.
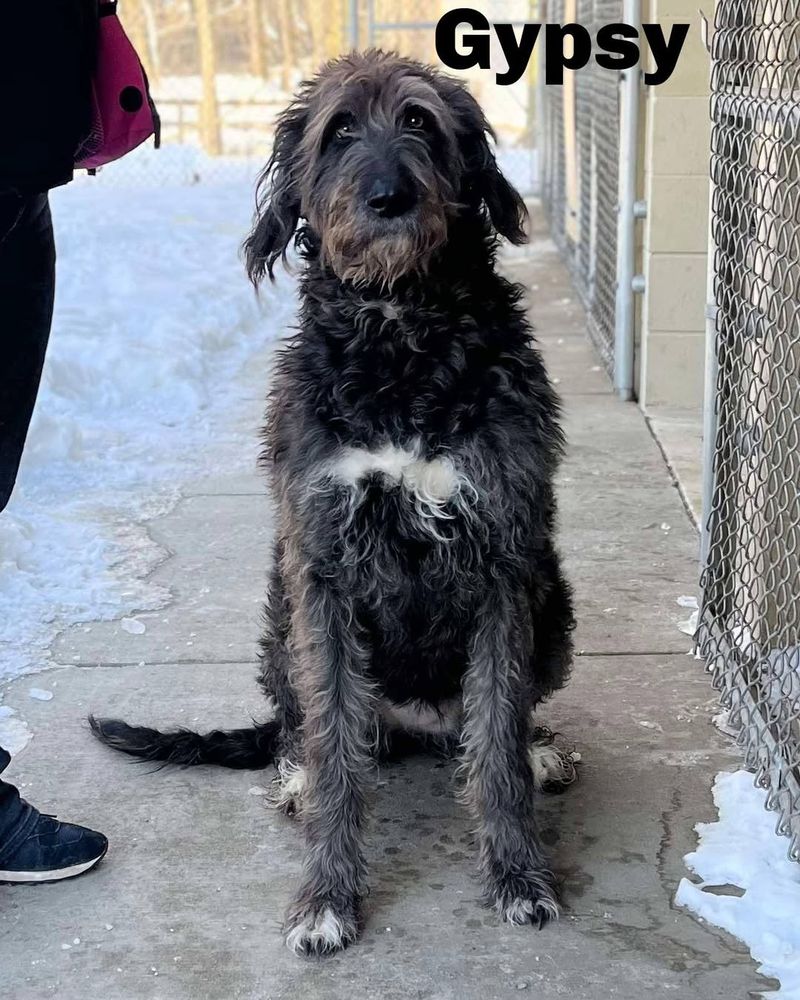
column 371, row 43
column 541, row 108
column 709, row 394
column 711, row 369
column 352, row 23
column 626, row 220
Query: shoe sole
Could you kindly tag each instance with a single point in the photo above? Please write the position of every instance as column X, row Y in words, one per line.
column 56, row 875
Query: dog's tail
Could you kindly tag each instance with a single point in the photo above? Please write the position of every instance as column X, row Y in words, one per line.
column 239, row 748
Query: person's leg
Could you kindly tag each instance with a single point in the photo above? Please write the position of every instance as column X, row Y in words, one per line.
column 33, row 847
column 27, row 284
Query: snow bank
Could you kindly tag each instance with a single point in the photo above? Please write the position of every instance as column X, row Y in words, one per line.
column 154, row 322
column 742, row 849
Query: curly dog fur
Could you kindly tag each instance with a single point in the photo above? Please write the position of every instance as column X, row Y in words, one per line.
column 411, row 445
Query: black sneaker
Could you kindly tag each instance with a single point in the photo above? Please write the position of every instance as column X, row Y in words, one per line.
column 52, row 851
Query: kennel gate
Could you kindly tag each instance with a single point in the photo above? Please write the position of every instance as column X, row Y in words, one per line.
column 580, row 158
column 750, row 618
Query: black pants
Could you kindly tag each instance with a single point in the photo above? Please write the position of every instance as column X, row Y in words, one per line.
column 27, row 284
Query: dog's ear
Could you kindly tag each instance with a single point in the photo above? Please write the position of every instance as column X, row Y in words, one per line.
column 483, row 180
column 277, row 197
column 503, row 202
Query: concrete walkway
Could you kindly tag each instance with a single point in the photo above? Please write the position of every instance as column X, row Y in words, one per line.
column 188, row 904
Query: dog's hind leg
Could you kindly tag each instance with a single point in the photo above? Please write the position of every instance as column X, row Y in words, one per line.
column 554, row 766
column 500, row 784
column 339, row 711
column 275, row 680
column 275, row 658
column 553, row 625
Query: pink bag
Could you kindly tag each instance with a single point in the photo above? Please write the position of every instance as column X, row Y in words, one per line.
column 123, row 112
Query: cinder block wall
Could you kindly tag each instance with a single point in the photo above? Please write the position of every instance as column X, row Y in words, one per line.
column 675, row 236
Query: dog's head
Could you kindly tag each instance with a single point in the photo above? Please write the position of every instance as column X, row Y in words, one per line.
column 379, row 154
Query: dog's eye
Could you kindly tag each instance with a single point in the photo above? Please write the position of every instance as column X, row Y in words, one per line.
column 345, row 130
column 415, row 120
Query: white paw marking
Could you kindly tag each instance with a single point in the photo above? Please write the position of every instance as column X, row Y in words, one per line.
column 292, row 781
column 521, row 911
column 550, row 764
column 323, row 932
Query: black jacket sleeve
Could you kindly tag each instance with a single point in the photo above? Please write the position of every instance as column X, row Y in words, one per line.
column 47, row 52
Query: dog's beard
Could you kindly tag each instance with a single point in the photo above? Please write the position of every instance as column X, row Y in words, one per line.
column 364, row 254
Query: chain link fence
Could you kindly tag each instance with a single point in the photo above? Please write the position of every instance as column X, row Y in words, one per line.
column 750, row 620
column 580, row 174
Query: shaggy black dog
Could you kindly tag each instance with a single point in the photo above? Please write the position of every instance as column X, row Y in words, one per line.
column 411, row 445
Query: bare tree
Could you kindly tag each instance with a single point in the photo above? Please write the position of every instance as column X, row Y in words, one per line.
column 287, row 44
column 209, row 109
column 255, row 37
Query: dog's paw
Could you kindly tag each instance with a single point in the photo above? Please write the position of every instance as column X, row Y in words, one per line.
column 538, row 910
column 320, row 930
column 526, row 899
column 290, row 784
column 554, row 767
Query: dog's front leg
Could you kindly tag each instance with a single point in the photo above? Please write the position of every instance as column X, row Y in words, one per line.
column 338, row 707
column 500, row 787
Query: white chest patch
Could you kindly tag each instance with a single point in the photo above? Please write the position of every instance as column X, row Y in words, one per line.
column 431, row 483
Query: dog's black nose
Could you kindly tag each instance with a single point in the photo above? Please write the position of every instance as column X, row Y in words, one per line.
column 390, row 198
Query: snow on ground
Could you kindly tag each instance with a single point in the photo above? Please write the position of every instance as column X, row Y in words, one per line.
column 153, row 326
column 742, row 849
